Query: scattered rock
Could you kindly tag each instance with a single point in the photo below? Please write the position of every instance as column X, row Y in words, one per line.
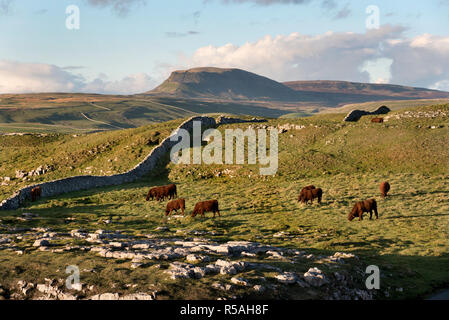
column 259, row 288
column 41, row 243
column 286, row 278
column 197, row 258
column 138, row 296
column 180, row 270
column 275, row 255
column 105, row 296
column 315, row 277
column 230, row 267
column 240, row 281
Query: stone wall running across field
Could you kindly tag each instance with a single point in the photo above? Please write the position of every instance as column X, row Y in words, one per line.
column 78, row 183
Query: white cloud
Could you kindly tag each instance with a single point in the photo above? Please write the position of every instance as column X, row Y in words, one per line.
column 18, row 77
column 296, row 56
column 420, row 61
column 136, row 83
column 382, row 55
column 379, row 70
column 441, row 85
column 21, row 77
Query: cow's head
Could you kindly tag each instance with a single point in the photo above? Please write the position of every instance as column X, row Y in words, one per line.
column 353, row 213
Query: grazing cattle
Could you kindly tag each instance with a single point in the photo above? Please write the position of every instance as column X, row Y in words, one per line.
column 364, row 206
column 178, row 204
column 309, row 195
column 160, row 193
column 152, row 193
column 206, row 206
column 377, row 120
column 384, row 188
column 170, row 191
column 303, row 190
column 36, row 193
column 311, row 187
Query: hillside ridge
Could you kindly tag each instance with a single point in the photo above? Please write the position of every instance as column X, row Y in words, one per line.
column 238, row 84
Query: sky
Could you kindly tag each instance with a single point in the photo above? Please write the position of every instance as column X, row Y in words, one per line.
column 131, row 46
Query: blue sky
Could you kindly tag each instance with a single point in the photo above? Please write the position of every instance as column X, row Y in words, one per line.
column 124, row 46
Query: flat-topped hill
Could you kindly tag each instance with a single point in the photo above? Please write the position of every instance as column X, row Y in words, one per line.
column 220, row 83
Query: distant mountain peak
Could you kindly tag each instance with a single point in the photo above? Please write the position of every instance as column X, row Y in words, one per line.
column 223, row 83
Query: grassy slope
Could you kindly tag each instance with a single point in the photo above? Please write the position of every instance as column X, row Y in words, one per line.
column 409, row 242
column 101, row 153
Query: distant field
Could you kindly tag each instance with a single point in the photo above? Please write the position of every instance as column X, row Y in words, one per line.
column 84, row 113
column 81, row 113
column 410, row 241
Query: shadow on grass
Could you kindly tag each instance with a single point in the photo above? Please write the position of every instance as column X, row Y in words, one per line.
column 417, row 216
column 141, row 183
column 423, row 276
column 416, row 193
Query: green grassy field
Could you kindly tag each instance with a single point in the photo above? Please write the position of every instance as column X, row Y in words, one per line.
column 409, row 242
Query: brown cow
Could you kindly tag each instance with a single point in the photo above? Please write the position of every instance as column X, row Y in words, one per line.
column 175, row 205
column 303, row 190
column 36, row 193
column 206, row 206
column 384, row 188
column 364, row 206
column 171, row 191
column 311, row 187
column 309, row 195
column 151, row 194
column 377, row 120
column 160, row 193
